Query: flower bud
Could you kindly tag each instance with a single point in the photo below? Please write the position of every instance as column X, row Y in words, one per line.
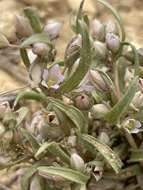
column 111, row 27
column 23, row 27
column 35, row 183
column 100, row 50
column 97, row 80
column 97, row 30
column 40, row 49
column 72, row 51
column 99, row 110
column 104, row 138
column 113, row 42
column 72, row 140
column 138, row 100
column 83, row 102
column 77, row 162
column 53, row 29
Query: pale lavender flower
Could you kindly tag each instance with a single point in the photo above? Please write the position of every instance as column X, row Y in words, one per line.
column 53, row 76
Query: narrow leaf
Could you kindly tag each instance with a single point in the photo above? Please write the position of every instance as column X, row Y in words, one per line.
column 33, row 19
column 54, row 149
column 31, row 95
column 79, row 16
column 122, row 105
column 136, row 155
column 105, row 151
column 84, row 64
column 75, row 115
column 24, row 57
column 25, row 180
column 42, row 37
column 66, row 173
column 136, row 56
column 31, row 139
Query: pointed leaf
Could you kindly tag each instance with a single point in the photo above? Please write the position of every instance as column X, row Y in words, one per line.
column 25, row 180
column 136, row 155
column 109, row 155
column 42, row 37
column 66, row 173
column 31, row 139
column 75, row 115
column 123, row 104
column 30, row 95
column 79, row 16
column 33, row 19
column 54, row 149
column 24, row 56
column 85, row 60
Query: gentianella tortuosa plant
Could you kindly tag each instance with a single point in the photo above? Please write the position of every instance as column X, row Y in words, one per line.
column 88, row 132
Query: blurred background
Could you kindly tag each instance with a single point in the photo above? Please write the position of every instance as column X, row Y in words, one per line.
column 12, row 72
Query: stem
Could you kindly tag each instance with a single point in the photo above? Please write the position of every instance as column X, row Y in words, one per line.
column 130, row 139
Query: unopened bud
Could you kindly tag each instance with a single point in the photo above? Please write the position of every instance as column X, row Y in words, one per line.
column 72, row 140
column 23, row 27
column 111, row 27
column 99, row 110
column 35, row 183
column 77, row 162
column 100, row 50
column 83, row 102
column 113, row 42
column 72, row 51
column 40, row 49
column 104, row 138
column 97, row 30
column 53, row 28
column 138, row 100
column 97, row 80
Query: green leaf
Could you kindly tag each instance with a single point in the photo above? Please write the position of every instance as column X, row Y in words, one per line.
column 128, row 172
column 136, row 156
column 30, row 95
column 116, row 15
column 75, row 115
column 24, row 57
column 25, row 180
column 79, row 16
column 66, row 173
column 33, row 19
column 122, row 105
column 54, row 149
column 136, row 56
column 42, row 37
column 105, row 151
column 31, row 139
column 85, row 60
